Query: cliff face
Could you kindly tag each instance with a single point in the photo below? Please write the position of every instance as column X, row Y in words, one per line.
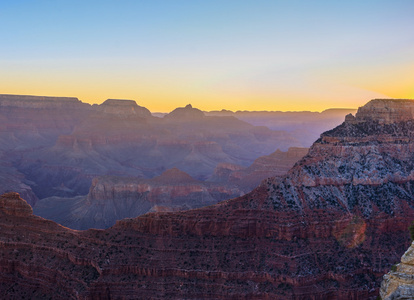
column 386, row 111
column 328, row 229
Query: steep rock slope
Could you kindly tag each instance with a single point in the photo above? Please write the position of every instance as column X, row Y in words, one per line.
column 328, row 230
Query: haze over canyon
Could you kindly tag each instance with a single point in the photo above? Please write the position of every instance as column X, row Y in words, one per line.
column 202, row 205
column 83, row 158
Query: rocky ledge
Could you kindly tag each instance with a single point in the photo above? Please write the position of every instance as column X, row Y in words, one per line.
column 386, row 111
column 12, row 204
column 399, row 282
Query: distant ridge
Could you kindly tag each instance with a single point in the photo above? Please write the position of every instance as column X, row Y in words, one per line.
column 185, row 113
column 27, row 101
column 123, row 107
column 5, row 97
column 174, row 176
column 120, row 102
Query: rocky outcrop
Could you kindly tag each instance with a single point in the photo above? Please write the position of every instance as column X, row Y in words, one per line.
column 386, row 111
column 185, row 113
column 113, row 198
column 123, row 107
column 399, row 282
column 12, row 204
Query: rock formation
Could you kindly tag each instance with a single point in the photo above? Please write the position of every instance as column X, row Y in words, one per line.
column 113, row 198
column 399, row 282
column 387, row 111
column 275, row 164
column 328, row 229
column 123, row 107
column 56, row 146
column 185, row 113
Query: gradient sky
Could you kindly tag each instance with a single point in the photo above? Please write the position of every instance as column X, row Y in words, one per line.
column 238, row 55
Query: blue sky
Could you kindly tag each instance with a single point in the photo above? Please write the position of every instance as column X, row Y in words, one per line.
column 263, row 55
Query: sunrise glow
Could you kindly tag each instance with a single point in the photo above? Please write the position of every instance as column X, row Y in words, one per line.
column 261, row 55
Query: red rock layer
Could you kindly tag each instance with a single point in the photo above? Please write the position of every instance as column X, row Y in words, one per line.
column 328, row 230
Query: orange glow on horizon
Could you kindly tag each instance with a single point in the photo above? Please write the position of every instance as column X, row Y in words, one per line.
column 332, row 88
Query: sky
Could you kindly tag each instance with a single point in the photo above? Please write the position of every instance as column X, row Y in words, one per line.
column 215, row 54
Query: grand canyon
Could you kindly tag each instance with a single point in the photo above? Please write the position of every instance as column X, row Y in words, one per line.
column 202, row 205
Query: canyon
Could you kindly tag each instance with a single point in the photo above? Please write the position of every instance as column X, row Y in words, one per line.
column 327, row 229
column 55, row 147
column 112, row 198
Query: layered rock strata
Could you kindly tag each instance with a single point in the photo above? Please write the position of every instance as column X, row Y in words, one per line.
column 113, row 198
column 328, row 229
column 387, row 111
column 58, row 145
